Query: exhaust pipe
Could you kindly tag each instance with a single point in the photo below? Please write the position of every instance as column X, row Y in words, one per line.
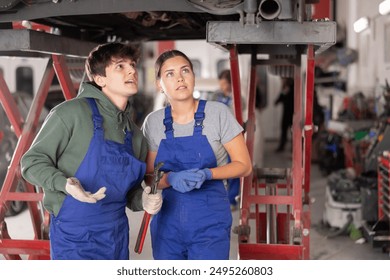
column 270, row 9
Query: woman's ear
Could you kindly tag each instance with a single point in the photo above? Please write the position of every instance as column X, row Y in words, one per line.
column 159, row 87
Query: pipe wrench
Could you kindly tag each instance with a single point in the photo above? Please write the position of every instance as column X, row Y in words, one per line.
column 157, row 175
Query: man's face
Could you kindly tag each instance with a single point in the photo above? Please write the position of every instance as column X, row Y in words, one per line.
column 121, row 80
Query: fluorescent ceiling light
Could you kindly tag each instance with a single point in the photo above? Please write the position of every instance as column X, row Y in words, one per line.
column 384, row 7
column 360, row 24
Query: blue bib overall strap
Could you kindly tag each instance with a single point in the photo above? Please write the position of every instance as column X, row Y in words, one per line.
column 168, row 122
column 199, row 118
column 98, row 230
column 196, row 224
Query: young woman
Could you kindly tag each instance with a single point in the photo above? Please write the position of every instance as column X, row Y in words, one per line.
column 193, row 138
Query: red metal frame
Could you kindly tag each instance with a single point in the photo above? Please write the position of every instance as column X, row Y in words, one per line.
column 64, row 79
column 384, row 186
column 236, row 85
column 10, row 107
column 293, row 224
column 34, row 26
column 38, row 247
column 308, row 128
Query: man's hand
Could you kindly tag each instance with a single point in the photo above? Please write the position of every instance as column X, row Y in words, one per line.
column 151, row 202
column 74, row 188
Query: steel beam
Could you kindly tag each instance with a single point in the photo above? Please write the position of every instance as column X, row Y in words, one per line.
column 40, row 42
column 322, row 34
column 46, row 9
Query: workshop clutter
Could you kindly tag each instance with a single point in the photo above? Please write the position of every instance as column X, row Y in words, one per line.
column 342, row 200
column 350, row 201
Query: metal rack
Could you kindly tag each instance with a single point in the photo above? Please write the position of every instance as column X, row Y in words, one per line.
column 378, row 233
column 384, row 186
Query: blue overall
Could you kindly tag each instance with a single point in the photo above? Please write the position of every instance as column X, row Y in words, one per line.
column 194, row 225
column 227, row 100
column 98, row 230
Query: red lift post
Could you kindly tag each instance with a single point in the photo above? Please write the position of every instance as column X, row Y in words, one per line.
column 275, row 203
column 279, row 234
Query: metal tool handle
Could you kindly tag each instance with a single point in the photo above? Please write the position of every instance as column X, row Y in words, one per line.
column 142, row 233
column 146, row 218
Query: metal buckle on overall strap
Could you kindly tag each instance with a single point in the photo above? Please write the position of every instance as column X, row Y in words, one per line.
column 199, row 117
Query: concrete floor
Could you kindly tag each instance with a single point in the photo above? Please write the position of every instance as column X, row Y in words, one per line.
column 321, row 247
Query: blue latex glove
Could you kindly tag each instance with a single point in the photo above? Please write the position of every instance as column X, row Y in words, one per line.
column 184, row 181
column 206, row 175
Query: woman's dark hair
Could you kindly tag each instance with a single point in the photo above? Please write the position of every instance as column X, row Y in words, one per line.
column 101, row 56
column 164, row 57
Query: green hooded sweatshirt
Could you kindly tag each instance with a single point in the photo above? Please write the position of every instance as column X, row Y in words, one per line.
column 63, row 141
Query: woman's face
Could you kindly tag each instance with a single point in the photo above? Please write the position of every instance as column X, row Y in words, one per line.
column 177, row 79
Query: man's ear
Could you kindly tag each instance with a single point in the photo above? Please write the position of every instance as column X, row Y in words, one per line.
column 100, row 81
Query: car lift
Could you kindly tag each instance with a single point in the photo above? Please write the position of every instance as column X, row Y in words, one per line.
column 41, row 43
column 276, row 199
column 282, row 221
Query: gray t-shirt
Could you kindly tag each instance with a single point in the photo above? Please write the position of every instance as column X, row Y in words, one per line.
column 219, row 126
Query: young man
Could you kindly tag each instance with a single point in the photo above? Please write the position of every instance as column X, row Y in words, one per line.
column 224, row 94
column 89, row 159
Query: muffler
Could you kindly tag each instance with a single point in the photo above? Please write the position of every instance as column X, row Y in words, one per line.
column 270, row 9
